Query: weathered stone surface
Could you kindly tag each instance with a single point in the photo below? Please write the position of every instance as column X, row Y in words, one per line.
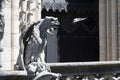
column 32, row 53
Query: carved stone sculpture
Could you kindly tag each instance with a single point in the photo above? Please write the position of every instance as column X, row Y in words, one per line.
column 34, row 40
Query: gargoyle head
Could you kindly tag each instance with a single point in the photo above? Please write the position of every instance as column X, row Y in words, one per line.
column 51, row 23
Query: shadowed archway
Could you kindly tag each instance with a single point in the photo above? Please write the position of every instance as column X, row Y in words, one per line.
column 78, row 42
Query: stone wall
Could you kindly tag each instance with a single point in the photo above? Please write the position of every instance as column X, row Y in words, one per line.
column 16, row 13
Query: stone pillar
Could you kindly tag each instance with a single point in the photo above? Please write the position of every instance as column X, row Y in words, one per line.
column 111, row 14
column 38, row 12
column 31, row 15
column 108, row 30
column 102, row 30
column 15, row 12
column 14, row 31
column 22, row 14
column 114, row 30
column 119, row 29
column 6, row 41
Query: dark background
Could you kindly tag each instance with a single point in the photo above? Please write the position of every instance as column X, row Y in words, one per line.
column 78, row 42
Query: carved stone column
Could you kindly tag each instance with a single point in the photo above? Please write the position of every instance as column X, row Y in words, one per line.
column 31, row 11
column 6, row 41
column 119, row 29
column 108, row 29
column 38, row 12
column 114, row 30
column 102, row 30
column 111, row 18
column 14, row 31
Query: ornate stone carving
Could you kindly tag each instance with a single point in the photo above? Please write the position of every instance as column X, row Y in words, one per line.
column 22, row 16
column 28, row 11
column 34, row 40
column 30, row 17
column 23, row 5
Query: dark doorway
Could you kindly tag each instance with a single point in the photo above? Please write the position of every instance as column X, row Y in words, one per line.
column 81, row 44
column 78, row 42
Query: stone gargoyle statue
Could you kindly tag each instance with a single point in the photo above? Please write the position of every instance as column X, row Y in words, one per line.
column 33, row 42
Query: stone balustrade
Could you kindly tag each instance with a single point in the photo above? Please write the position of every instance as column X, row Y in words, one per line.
column 108, row 70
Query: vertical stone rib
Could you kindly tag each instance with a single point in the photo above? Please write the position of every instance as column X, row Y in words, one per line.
column 6, row 42
column 14, row 30
column 38, row 12
column 114, row 29
column 102, row 29
column 108, row 29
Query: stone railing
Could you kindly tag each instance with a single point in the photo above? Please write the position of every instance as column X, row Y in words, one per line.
column 108, row 70
column 14, row 75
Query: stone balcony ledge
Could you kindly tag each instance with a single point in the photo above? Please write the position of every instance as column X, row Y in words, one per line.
column 73, row 67
column 12, row 73
column 86, row 67
column 90, row 70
